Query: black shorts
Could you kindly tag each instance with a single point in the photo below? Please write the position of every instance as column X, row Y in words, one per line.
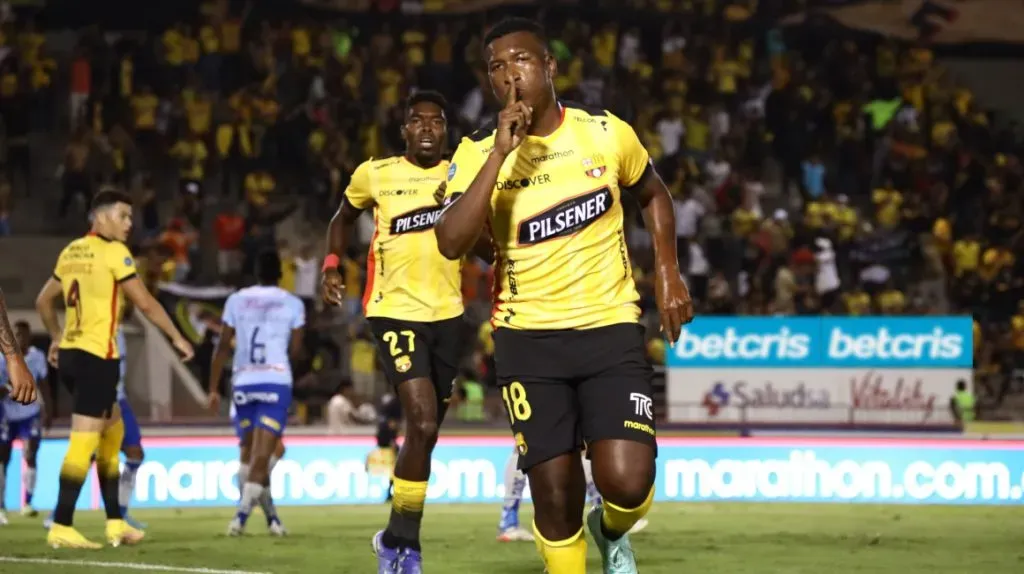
column 415, row 350
column 92, row 382
column 563, row 389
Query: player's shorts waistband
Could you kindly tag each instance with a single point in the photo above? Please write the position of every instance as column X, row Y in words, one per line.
column 567, row 354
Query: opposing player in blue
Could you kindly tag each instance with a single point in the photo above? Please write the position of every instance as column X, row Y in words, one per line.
column 265, row 322
column 18, row 421
column 131, row 446
column 274, row 525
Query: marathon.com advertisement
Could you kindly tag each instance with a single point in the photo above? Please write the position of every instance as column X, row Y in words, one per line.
column 819, row 371
column 200, row 472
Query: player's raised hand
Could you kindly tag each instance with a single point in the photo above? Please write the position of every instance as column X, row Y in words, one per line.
column 184, row 348
column 332, row 287
column 674, row 303
column 513, row 122
column 23, row 385
column 213, row 401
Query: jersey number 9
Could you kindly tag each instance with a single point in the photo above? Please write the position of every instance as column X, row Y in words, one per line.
column 74, row 301
column 516, row 403
column 257, row 350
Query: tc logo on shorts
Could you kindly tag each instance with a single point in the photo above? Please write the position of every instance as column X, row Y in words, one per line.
column 403, row 364
column 420, row 219
column 521, row 447
column 244, row 398
column 641, row 405
column 565, row 218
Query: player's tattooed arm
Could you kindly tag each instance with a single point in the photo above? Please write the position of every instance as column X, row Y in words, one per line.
column 8, row 343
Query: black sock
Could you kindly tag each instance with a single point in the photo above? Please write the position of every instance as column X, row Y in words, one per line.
column 403, row 530
column 110, row 492
column 67, row 498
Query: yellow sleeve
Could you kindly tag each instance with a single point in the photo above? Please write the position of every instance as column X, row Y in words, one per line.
column 465, row 164
column 201, row 152
column 633, row 157
column 120, row 261
column 358, row 192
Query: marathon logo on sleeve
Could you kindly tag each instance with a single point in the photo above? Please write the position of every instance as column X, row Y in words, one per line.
column 566, row 218
column 416, row 220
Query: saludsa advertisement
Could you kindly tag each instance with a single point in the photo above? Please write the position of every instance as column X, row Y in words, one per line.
column 829, row 371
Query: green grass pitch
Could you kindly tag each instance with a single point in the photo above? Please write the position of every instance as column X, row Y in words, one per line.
column 682, row 538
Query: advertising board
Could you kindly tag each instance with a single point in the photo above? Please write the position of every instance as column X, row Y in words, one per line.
column 820, row 370
column 200, row 472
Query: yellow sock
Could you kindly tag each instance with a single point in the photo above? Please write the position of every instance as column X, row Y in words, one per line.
column 81, row 447
column 617, row 520
column 567, row 556
column 107, row 467
column 74, row 469
column 107, row 455
column 409, row 496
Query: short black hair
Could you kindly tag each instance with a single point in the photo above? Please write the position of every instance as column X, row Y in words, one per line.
column 429, row 96
column 109, row 197
column 23, row 325
column 515, row 24
column 268, row 267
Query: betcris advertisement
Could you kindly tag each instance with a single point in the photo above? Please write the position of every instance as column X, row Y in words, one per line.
column 826, row 371
column 200, row 472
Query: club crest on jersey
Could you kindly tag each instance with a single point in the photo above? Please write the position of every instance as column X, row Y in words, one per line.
column 566, row 218
column 594, row 166
column 403, row 364
column 451, row 172
column 419, row 219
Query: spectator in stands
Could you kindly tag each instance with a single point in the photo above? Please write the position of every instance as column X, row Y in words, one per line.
column 346, row 409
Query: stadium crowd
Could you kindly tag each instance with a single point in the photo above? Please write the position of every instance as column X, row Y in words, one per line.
column 813, row 171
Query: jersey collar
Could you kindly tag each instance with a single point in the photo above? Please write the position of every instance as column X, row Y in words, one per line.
column 94, row 234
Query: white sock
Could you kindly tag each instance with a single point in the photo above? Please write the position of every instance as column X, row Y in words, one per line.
column 251, row 493
column 30, row 482
column 515, row 483
column 266, row 500
column 243, row 477
column 588, row 472
column 126, row 485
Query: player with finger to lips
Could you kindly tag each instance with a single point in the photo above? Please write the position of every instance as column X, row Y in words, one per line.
column 547, row 185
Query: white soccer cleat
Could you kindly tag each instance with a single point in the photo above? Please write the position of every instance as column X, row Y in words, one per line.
column 515, row 534
column 275, row 528
column 640, row 525
column 3, row 518
column 236, row 528
column 28, row 512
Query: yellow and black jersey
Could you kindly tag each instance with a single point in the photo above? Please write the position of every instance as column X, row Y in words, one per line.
column 556, row 220
column 90, row 270
column 406, row 276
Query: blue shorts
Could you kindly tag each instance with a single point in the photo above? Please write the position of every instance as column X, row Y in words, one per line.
column 261, row 405
column 132, row 432
column 24, row 429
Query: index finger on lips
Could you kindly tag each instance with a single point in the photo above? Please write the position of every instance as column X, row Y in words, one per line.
column 510, row 95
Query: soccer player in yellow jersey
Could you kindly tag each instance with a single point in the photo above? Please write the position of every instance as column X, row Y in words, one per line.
column 413, row 300
column 22, row 384
column 569, row 352
column 92, row 276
